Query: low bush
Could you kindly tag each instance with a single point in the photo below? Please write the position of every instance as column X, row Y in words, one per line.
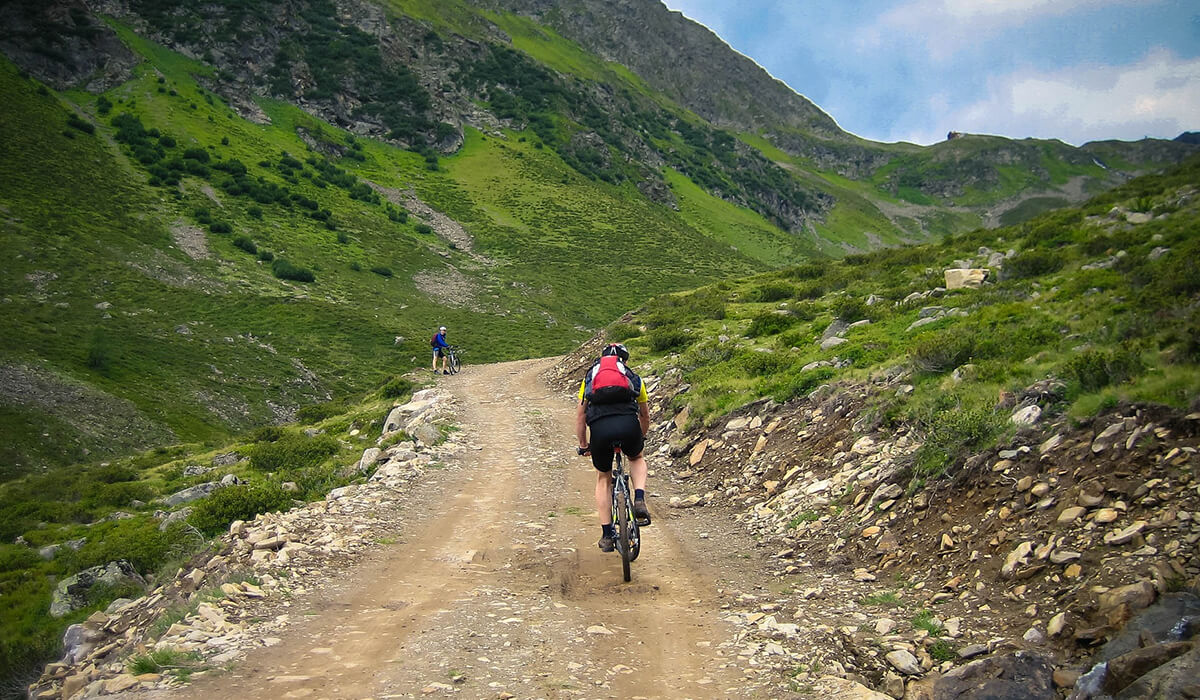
column 849, row 309
column 396, row 387
column 246, row 244
column 771, row 291
column 220, row 227
column 1097, row 368
column 770, row 323
column 239, row 502
column 1033, row 263
column 952, row 433
column 807, row 271
column 618, row 332
column 318, row 412
column 285, row 270
column 382, row 271
column 799, row 383
column 666, row 338
column 423, row 228
column 941, row 351
column 292, row 451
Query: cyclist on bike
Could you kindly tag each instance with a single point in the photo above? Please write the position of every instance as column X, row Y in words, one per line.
column 614, row 411
column 439, row 344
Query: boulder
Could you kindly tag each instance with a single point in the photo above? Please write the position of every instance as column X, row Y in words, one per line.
column 1019, row 676
column 178, row 516
column 1127, row 668
column 191, row 494
column 834, row 688
column 1177, row 678
column 969, row 278
column 72, row 592
column 1136, row 595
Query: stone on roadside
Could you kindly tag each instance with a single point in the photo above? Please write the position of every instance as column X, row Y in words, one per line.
column 904, row 662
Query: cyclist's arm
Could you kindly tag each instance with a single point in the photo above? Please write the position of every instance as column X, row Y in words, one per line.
column 644, row 409
column 581, row 419
column 581, row 426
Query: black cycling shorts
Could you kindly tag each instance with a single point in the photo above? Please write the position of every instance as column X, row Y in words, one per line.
column 623, row 428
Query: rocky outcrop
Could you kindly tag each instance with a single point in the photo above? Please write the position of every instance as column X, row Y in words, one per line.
column 72, row 593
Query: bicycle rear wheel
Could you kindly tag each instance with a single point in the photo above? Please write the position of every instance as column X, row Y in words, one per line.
column 623, row 535
column 454, row 363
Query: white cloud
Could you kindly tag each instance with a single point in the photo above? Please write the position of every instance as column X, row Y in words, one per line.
column 946, row 27
column 1158, row 96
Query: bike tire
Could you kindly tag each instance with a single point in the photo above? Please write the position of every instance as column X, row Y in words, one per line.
column 635, row 538
column 454, row 363
column 623, row 534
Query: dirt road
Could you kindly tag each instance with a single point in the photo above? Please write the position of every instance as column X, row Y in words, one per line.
column 496, row 588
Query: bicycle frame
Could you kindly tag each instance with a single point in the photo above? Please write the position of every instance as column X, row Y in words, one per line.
column 628, row 538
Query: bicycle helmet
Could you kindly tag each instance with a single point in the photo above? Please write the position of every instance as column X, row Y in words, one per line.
column 616, row 349
column 442, row 328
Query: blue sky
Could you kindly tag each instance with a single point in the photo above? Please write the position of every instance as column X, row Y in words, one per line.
column 912, row 70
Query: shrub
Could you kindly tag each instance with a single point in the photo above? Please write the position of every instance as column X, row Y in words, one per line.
column 382, row 271
column 771, row 291
column 770, row 323
column 794, row 385
column 285, row 270
column 807, row 271
column 1033, row 263
column 396, row 387
column 664, row 339
column 239, row 502
column 245, row 244
column 423, row 228
column 266, row 255
column 1096, row 369
column 220, row 227
column 292, row 451
column 103, row 105
column 849, row 309
column 618, row 332
column 951, row 433
column 938, row 352
column 197, row 154
column 320, row 411
column 75, row 122
column 255, row 212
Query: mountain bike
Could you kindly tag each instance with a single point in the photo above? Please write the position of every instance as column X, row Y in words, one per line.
column 629, row 541
column 628, row 538
column 453, row 363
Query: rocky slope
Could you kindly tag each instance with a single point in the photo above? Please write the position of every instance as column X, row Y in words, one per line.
column 1069, row 546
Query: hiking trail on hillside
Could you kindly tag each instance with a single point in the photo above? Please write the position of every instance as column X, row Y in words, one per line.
column 496, row 589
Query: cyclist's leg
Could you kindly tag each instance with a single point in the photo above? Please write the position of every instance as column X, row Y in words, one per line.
column 602, row 433
column 604, row 497
column 634, row 446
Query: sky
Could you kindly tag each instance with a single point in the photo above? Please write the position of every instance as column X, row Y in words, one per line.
column 913, row 70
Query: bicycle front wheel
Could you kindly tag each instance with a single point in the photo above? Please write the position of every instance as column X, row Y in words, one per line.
column 624, row 539
column 454, row 363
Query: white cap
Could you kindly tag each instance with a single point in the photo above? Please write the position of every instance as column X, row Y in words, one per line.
column 442, row 328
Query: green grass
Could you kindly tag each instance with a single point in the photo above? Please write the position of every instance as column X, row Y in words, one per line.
column 888, row 599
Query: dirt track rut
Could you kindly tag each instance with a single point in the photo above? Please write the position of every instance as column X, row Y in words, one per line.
column 496, row 588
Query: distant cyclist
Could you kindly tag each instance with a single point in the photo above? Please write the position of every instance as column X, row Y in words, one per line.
column 438, row 341
column 613, row 404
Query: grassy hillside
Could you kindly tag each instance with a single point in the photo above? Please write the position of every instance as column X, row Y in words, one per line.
column 146, row 226
column 1084, row 308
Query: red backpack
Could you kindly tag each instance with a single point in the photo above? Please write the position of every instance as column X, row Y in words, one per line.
column 610, row 381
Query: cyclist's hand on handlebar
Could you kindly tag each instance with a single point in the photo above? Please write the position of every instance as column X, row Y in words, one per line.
column 584, row 451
